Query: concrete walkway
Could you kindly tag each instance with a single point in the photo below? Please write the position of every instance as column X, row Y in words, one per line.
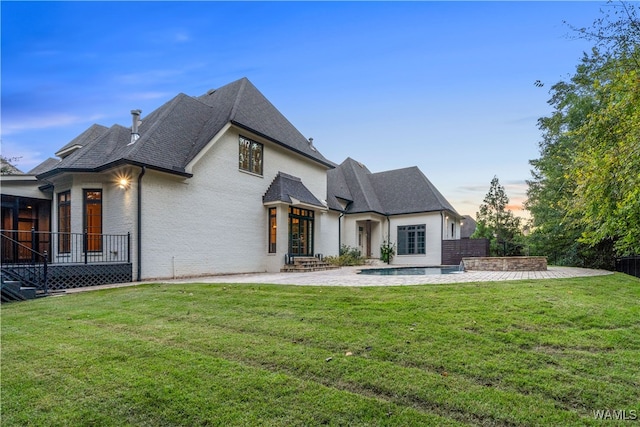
column 348, row 276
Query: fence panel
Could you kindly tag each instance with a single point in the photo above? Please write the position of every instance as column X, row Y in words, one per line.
column 629, row 265
column 454, row 250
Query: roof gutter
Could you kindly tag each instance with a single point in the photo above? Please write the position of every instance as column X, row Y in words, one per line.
column 117, row 163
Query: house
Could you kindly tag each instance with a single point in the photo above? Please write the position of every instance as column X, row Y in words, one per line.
column 215, row 184
column 468, row 227
column 398, row 206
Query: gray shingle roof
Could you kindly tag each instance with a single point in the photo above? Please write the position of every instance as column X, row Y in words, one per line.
column 172, row 135
column 394, row 192
column 251, row 110
column 96, row 154
column 86, row 137
column 352, row 182
column 468, row 227
column 408, row 190
column 48, row 164
column 285, row 187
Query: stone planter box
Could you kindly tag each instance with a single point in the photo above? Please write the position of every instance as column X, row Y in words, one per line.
column 514, row 263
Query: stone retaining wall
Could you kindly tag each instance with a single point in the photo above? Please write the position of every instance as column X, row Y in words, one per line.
column 516, row 263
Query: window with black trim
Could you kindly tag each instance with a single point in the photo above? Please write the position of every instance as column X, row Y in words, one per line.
column 411, row 239
column 93, row 220
column 250, row 155
column 64, row 222
column 273, row 230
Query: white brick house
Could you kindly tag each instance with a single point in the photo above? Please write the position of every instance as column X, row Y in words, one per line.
column 399, row 206
column 224, row 183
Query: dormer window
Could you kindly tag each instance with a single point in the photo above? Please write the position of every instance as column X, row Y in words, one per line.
column 250, row 156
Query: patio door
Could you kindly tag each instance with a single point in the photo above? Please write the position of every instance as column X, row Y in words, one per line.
column 300, row 232
column 25, row 221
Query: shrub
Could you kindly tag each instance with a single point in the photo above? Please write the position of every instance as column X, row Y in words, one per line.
column 348, row 256
column 387, row 251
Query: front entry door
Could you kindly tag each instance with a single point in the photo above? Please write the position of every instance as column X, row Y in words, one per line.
column 364, row 239
column 300, row 231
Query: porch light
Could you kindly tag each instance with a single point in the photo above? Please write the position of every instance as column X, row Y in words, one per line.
column 123, row 183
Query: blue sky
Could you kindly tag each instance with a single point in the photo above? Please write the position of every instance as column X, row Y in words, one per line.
column 445, row 86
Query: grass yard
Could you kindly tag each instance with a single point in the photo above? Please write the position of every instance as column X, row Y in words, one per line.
column 539, row 352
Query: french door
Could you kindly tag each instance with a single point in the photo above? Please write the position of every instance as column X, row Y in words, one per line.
column 300, row 231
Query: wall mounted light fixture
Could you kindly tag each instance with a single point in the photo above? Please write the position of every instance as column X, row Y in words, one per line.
column 124, row 183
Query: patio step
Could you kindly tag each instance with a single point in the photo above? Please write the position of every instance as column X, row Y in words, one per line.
column 307, row 264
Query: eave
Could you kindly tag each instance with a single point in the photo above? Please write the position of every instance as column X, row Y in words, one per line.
column 112, row 165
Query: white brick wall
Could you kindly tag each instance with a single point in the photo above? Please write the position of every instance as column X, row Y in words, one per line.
column 433, row 237
column 215, row 222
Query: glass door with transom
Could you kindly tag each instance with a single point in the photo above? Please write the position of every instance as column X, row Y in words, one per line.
column 300, row 231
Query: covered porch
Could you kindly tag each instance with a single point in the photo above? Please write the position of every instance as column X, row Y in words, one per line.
column 46, row 261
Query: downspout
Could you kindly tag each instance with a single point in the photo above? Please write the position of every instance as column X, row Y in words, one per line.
column 340, row 231
column 342, row 213
column 442, row 226
column 139, row 236
column 388, row 228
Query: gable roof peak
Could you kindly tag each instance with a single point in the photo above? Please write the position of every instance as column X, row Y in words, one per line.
column 247, row 108
column 354, row 163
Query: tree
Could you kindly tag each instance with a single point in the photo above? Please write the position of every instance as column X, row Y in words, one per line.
column 498, row 224
column 7, row 165
column 584, row 197
column 607, row 164
column 556, row 231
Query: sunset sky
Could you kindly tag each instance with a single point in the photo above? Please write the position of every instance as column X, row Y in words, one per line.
column 445, row 86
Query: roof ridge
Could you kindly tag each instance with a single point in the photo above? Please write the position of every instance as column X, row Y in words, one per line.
column 170, row 105
column 288, row 176
column 371, row 197
column 236, row 103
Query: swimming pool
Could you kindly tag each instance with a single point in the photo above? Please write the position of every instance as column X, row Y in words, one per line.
column 410, row 271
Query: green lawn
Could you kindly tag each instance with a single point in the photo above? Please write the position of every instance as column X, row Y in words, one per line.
column 538, row 352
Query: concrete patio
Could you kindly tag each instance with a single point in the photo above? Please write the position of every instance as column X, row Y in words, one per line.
column 348, row 276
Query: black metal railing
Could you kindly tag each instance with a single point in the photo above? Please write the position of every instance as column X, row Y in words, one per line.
column 32, row 271
column 65, row 248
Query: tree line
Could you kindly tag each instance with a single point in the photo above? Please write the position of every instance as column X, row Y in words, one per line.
column 584, row 194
